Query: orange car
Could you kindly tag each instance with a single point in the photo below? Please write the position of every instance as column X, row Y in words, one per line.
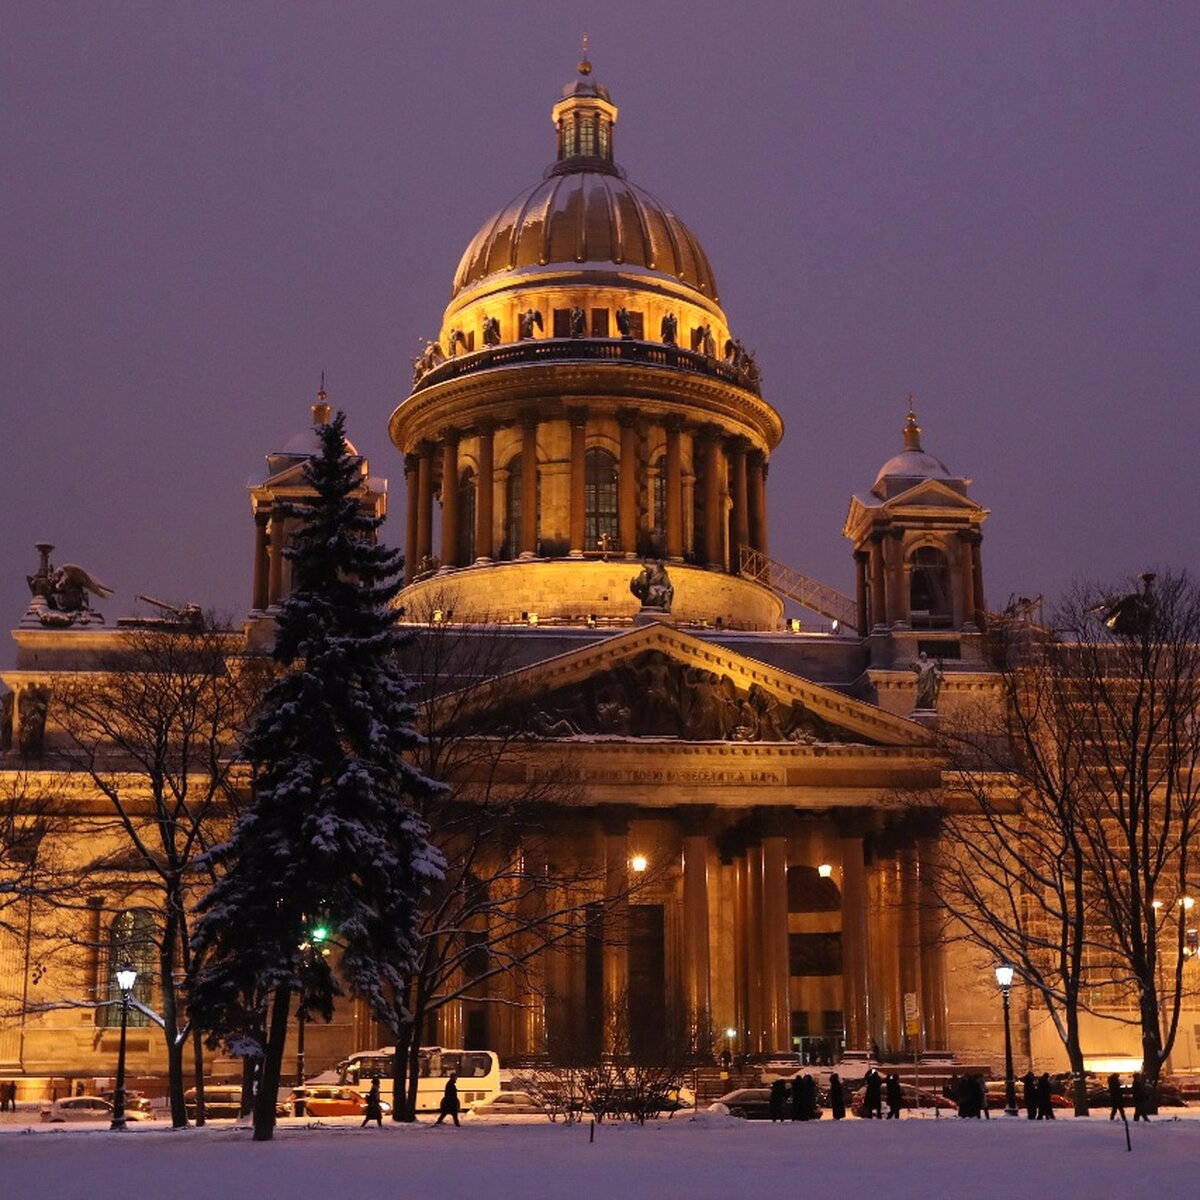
column 332, row 1101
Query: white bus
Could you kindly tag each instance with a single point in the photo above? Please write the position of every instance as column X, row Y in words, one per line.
column 478, row 1073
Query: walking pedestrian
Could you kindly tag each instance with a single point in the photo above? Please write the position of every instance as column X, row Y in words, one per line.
column 895, row 1097
column 374, row 1109
column 1141, row 1098
column 449, row 1105
column 981, row 1098
column 810, row 1108
column 797, row 1094
column 1045, row 1106
column 1115, row 1098
column 837, row 1098
column 1029, row 1086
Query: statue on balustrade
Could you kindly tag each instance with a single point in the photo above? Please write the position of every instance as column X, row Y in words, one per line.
column 491, row 331
column 653, row 587
column 669, row 329
column 431, row 357
column 577, row 321
column 703, row 341
column 624, row 324
column 527, row 321
column 457, row 339
column 61, row 593
column 929, row 682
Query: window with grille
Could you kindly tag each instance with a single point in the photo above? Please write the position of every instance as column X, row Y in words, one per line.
column 130, row 944
column 600, row 500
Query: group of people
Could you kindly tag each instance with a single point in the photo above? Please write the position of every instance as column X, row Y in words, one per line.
column 1138, row 1094
column 969, row 1093
column 875, row 1088
column 8, row 1095
column 804, row 1099
column 449, row 1107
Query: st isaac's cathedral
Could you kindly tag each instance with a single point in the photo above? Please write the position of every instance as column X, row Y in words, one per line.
column 586, row 451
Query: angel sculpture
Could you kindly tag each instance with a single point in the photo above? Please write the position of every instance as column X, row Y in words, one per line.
column 578, row 322
column 71, row 586
column 457, row 338
column 624, row 324
column 491, row 331
column 526, row 322
column 669, row 329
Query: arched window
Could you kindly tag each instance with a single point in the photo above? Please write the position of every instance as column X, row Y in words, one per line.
column 466, row 519
column 929, row 599
column 512, row 510
column 130, row 944
column 660, row 505
column 808, row 892
column 600, row 500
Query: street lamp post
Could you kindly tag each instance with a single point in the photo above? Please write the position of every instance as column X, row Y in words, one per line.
column 1004, row 977
column 126, row 978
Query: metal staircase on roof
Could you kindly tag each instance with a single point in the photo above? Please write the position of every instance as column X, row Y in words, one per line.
column 805, row 591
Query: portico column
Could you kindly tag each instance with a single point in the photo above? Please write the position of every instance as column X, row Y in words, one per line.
column 424, row 503
column 275, row 582
column 736, row 880
column 861, row 558
column 757, row 488
column 756, row 989
column 529, row 485
column 885, row 940
column 262, row 559
column 977, row 577
column 673, row 497
column 485, row 494
column 578, row 530
column 714, row 555
column 933, row 964
column 910, row 939
column 449, row 498
column 412, row 503
column 878, row 585
column 627, row 483
column 697, row 979
column 777, row 974
column 855, row 982
column 739, row 521
column 615, row 962
column 897, row 600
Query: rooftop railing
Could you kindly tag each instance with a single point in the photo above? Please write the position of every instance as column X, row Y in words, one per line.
column 614, row 350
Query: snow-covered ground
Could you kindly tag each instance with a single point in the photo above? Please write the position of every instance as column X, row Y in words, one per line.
column 706, row 1158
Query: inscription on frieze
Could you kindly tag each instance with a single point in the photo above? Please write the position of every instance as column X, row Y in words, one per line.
column 661, row 776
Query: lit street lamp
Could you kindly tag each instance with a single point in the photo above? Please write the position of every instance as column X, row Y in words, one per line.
column 1004, row 977
column 126, row 978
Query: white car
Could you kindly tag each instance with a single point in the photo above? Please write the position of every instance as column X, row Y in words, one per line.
column 509, row 1104
column 88, row 1108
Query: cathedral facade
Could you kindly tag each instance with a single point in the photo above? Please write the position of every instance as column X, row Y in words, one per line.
column 586, row 450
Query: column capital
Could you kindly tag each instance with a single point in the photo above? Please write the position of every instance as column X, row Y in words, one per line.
column 412, row 462
column 673, row 422
column 577, row 414
column 615, row 819
column 628, row 417
column 484, row 426
column 852, row 822
column 450, row 434
column 862, row 556
column 738, row 444
column 529, row 418
column 770, row 821
column 694, row 820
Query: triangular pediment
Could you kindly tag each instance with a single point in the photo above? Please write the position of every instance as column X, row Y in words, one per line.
column 932, row 493
column 657, row 681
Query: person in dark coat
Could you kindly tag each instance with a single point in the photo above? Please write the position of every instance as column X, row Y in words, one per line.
column 1029, row 1086
column 873, row 1101
column 449, row 1105
column 810, row 1108
column 980, row 1097
column 895, row 1097
column 1045, row 1106
column 778, row 1099
column 797, row 1096
column 837, row 1098
column 374, row 1109
column 1115, row 1098
column 1141, row 1098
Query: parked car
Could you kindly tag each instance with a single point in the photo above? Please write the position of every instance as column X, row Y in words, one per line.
column 912, row 1099
column 751, row 1104
column 93, row 1108
column 222, row 1101
column 324, row 1101
column 507, row 1104
column 1169, row 1096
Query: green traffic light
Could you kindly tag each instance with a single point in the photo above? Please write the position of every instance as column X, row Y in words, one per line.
column 320, row 933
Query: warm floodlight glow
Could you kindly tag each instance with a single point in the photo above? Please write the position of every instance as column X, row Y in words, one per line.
column 825, row 870
column 126, row 978
column 1187, row 902
column 731, row 1033
column 638, row 862
column 1156, row 903
column 1004, row 974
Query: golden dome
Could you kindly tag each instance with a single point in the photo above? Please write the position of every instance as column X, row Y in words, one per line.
column 585, row 211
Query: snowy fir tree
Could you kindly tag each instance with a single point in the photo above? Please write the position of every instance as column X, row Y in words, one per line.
column 331, row 837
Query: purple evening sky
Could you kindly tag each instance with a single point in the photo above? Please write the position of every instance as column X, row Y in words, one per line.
column 993, row 205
